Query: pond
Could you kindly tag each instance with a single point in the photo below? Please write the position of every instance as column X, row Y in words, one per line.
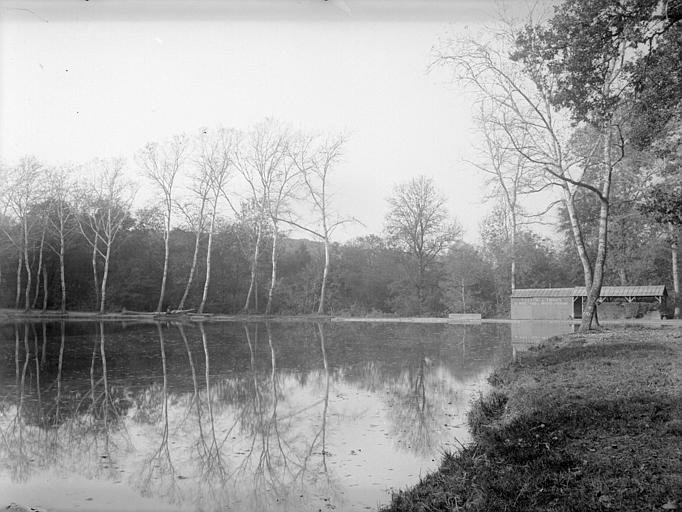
column 233, row 416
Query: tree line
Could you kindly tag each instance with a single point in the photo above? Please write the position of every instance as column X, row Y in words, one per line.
column 72, row 241
column 586, row 104
column 51, row 215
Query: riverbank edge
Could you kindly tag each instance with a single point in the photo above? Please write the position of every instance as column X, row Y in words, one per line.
column 143, row 316
column 582, row 422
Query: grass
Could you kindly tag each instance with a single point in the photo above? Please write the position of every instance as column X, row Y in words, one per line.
column 583, row 423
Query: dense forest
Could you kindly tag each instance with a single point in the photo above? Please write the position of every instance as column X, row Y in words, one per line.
column 584, row 105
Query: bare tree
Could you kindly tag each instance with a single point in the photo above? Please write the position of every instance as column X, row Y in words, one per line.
column 272, row 179
column 315, row 161
column 418, row 223
column 253, row 226
column 534, row 129
column 10, row 228
column 161, row 163
column 195, row 215
column 39, row 211
column 60, row 219
column 215, row 162
column 510, row 175
column 105, row 205
column 20, row 197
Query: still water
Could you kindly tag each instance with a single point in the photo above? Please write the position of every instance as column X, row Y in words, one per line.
column 233, row 416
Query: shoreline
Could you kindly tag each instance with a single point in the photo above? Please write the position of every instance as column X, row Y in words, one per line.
column 581, row 422
column 219, row 317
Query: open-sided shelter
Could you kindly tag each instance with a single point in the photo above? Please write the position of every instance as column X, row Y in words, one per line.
column 567, row 303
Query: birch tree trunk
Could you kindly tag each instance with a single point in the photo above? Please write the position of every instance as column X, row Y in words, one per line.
column 94, row 271
column 254, row 270
column 17, row 299
column 208, row 255
column 273, row 276
column 40, row 269
column 590, row 310
column 44, row 288
column 27, row 264
column 512, row 249
column 192, row 270
column 578, row 237
column 105, row 275
column 62, row 271
column 675, row 269
column 166, row 252
column 325, row 272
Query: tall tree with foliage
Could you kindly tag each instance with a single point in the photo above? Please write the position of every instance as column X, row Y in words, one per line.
column 584, row 52
column 526, row 124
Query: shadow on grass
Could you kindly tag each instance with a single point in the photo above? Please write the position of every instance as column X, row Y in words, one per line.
column 592, row 352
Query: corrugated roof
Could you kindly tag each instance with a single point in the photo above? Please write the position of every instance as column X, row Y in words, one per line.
column 625, row 291
column 579, row 291
column 542, row 292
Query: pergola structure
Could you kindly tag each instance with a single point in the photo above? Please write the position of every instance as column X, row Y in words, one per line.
column 628, row 293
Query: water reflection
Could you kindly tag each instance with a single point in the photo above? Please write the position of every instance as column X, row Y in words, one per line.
column 528, row 334
column 242, row 417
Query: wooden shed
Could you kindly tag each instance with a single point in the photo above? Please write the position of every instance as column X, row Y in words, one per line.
column 567, row 303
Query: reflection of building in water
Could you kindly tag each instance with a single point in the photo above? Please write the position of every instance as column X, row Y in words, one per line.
column 528, row 334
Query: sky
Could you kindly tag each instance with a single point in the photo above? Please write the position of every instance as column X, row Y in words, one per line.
column 100, row 78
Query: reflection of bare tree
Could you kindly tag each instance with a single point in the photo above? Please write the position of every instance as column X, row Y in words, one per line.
column 419, row 395
column 212, row 461
column 195, row 385
column 423, row 397
column 60, row 366
column 13, row 434
column 41, row 412
column 105, row 404
column 272, row 463
column 91, row 433
column 207, row 436
column 323, row 427
column 280, row 454
column 412, row 411
column 49, row 430
column 157, row 475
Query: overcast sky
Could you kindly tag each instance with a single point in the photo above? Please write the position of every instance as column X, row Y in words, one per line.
column 100, row 78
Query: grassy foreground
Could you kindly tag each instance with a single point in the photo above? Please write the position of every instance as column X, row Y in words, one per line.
column 585, row 422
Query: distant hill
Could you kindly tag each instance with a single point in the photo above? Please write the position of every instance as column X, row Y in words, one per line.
column 290, row 245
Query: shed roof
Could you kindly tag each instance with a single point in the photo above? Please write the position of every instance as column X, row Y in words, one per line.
column 542, row 292
column 625, row 291
column 606, row 291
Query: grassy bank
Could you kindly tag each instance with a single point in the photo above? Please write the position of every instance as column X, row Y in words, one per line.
column 582, row 423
